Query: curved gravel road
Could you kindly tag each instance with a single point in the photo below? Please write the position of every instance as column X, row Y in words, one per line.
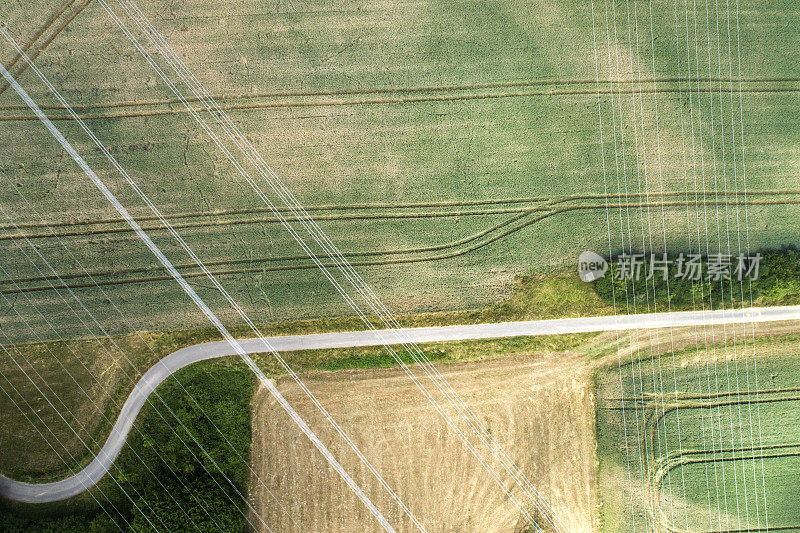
column 94, row 472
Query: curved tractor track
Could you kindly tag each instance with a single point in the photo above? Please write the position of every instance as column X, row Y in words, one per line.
column 523, row 212
column 660, row 465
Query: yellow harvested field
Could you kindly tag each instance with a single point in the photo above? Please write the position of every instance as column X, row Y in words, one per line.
column 540, row 409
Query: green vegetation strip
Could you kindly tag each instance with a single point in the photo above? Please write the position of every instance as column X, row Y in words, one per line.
column 778, row 283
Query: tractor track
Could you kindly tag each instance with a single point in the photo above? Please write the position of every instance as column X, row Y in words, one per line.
column 449, row 250
column 41, row 47
column 388, row 211
column 408, row 90
column 411, row 97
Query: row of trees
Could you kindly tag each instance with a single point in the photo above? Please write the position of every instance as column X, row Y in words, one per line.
column 776, row 282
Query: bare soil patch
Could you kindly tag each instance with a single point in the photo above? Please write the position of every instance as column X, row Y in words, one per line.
column 540, row 409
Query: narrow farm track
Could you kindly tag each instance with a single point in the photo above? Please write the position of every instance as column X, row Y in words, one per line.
column 411, row 95
column 411, row 89
column 98, row 467
column 521, row 219
column 400, row 100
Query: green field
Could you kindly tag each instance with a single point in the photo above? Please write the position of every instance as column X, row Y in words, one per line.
column 714, row 449
column 375, row 114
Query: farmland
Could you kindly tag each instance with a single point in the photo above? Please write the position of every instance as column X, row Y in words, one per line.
column 560, row 370
column 431, row 469
column 92, row 395
column 461, row 155
column 710, row 437
column 441, row 147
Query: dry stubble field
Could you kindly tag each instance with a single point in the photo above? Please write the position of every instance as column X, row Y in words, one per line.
column 540, row 409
